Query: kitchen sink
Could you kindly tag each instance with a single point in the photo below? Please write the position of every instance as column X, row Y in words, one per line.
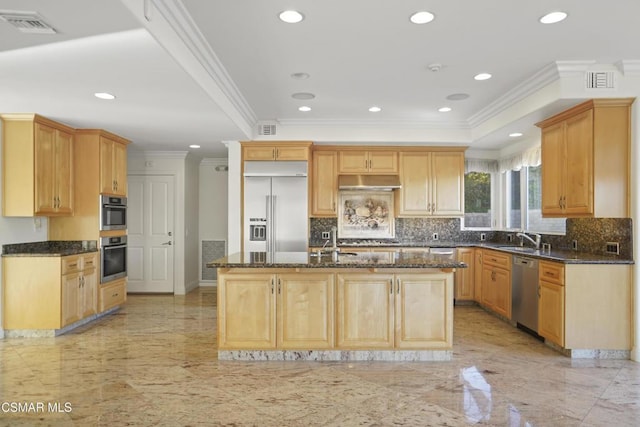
column 522, row 249
column 328, row 254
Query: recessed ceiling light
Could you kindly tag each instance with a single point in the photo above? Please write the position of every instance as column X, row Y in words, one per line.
column 304, row 108
column 457, row 96
column 444, row 109
column 303, row 95
column 291, row 16
column 553, row 17
column 375, row 109
column 515, row 134
column 422, row 17
column 300, row 76
column 194, row 146
column 104, row 95
column 482, row 76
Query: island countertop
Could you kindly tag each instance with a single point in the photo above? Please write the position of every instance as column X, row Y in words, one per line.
column 346, row 259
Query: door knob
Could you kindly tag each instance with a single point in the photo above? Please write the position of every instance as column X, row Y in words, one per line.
column 168, row 243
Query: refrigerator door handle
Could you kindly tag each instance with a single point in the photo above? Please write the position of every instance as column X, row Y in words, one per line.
column 274, row 230
column 269, row 236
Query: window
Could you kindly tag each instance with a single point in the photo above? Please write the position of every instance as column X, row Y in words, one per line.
column 523, row 202
column 477, row 200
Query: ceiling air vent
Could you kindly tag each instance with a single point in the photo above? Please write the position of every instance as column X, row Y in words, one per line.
column 27, row 22
column 266, row 130
column 600, row 80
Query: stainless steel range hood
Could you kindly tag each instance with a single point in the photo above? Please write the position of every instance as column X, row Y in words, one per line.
column 369, row 182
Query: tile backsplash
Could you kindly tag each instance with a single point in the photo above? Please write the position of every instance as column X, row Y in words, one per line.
column 591, row 234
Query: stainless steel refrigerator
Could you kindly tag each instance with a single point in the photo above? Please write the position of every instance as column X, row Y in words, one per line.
column 275, row 207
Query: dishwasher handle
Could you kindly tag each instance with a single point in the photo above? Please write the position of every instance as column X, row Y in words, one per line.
column 525, row 262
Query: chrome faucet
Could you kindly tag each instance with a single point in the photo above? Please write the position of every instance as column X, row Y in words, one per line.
column 536, row 242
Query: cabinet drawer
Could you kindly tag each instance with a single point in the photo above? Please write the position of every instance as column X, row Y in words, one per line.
column 497, row 259
column 552, row 272
column 112, row 295
column 71, row 264
column 89, row 261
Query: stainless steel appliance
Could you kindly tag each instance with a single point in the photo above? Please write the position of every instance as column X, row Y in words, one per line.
column 113, row 213
column 275, row 207
column 113, row 258
column 524, row 292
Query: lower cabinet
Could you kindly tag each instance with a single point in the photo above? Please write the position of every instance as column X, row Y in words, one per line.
column 307, row 310
column 496, row 282
column 551, row 312
column 48, row 292
column 112, row 294
column 465, row 277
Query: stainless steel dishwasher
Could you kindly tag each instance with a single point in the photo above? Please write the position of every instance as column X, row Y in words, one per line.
column 524, row 292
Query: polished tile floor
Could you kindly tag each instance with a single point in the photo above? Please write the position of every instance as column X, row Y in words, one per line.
column 154, row 363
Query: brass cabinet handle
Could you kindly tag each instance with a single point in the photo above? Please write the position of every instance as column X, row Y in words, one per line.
column 391, row 289
column 271, row 286
column 398, row 286
column 279, row 286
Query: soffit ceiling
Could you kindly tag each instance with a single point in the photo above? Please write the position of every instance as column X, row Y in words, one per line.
column 358, row 53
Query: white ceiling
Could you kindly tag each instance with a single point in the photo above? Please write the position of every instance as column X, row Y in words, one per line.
column 201, row 71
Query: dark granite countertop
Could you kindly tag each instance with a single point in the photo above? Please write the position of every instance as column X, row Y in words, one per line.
column 50, row 248
column 558, row 255
column 382, row 259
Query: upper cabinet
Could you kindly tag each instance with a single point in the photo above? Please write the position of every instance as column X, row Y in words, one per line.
column 432, row 183
column 373, row 162
column 324, row 184
column 585, row 160
column 113, row 167
column 37, row 157
column 274, row 150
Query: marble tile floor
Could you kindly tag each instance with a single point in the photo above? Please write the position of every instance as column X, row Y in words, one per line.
column 154, row 363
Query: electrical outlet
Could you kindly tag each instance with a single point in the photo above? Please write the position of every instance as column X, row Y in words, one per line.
column 613, row 248
column 434, row 236
column 509, row 238
column 483, row 237
column 326, row 235
column 574, row 245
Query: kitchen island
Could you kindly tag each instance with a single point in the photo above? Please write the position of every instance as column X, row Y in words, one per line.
column 390, row 305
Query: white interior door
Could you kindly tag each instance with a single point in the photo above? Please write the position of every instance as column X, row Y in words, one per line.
column 150, row 230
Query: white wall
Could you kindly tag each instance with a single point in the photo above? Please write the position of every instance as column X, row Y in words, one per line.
column 235, row 206
column 213, row 202
column 191, row 223
column 635, row 215
column 17, row 230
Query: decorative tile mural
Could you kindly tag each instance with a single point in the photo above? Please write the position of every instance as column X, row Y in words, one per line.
column 366, row 215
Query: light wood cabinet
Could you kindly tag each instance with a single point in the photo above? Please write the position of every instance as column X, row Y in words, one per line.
column 112, row 294
column 284, row 150
column 465, row 277
column 432, row 184
column 477, row 276
column 37, row 155
column 367, row 162
column 324, row 184
column 551, row 302
column 268, row 311
column 585, row 160
column 48, row 292
column 496, row 282
column 113, row 167
column 401, row 311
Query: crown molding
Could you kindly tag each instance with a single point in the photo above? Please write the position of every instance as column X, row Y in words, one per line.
column 389, row 123
column 628, row 66
column 181, row 155
column 568, row 69
column 214, row 161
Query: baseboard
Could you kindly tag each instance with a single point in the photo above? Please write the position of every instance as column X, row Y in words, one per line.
column 1, row 334
column 191, row 286
column 209, row 284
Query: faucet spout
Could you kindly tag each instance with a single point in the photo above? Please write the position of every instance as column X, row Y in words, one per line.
column 535, row 242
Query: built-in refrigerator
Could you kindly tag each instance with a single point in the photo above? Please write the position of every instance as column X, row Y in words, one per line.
column 275, row 206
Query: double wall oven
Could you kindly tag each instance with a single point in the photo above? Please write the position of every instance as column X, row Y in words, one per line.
column 113, row 248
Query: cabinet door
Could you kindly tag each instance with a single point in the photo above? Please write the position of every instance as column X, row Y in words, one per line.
column 384, row 162
column 477, row 276
column 553, row 169
column 120, row 169
column 424, row 311
column 305, row 310
column 268, row 152
column 45, row 154
column 63, row 173
column 464, row 286
column 292, row 153
column 324, row 184
column 502, row 285
column 107, row 179
column 70, row 298
column 578, row 190
column 488, row 295
column 365, row 311
column 447, row 183
column 414, row 176
column 551, row 312
column 353, row 162
column 250, row 321
column 89, row 293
